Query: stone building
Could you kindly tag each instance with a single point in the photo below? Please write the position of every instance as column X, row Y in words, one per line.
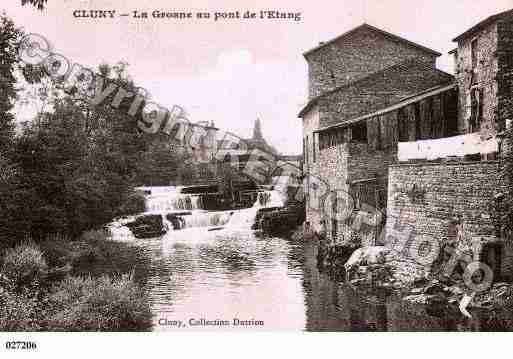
column 466, row 178
column 483, row 72
column 384, row 129
column 358, row 82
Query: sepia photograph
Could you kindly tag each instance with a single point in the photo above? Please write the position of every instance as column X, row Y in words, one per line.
column 241, row 166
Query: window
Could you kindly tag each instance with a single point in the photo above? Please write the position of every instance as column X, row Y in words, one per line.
column 359, row 132
column 323, row 140
column 314, row 146
column 339, row 136
column 473, row 52
column 476, row 109
column 416, row 108
column 335, row 137
column 334, row 222
column 306, row 150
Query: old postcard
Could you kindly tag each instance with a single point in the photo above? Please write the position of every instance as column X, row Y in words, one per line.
column 242, row 166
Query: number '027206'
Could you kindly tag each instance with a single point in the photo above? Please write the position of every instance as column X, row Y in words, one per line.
column 20, row 345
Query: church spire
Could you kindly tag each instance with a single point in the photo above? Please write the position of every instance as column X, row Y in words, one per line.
column 257, row 130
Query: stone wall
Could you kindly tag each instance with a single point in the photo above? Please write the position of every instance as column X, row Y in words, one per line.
column 505, row 115
column 505, row 71
column 355, row 56
column 423, row 198
column 310, row 168
column 366, row 163
column 334, row 165
column 337, row 167
column 445, row 190
column 484, row 76
column 379, row 91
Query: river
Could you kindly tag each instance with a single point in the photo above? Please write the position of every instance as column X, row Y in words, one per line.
column 205, row 279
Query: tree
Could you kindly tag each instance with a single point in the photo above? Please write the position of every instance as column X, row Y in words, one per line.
column 9, row 40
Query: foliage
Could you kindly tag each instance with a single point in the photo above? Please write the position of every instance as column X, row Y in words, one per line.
column 61, row 284
column 78, row 169
column 19, row 311
column 135, row 203
column 9, row 39
column 78, row 304
column 88, row 304
column 73, row 168
column 23, row 265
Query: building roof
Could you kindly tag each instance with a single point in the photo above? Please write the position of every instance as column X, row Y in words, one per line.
column 481, row 25
column 409, row 65
column 374, row 29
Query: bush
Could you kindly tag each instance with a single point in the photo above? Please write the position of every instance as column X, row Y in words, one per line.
column 18, row 311
column 84, row 251
column 88, row 286
column 57, row 252
column 24, row 265
column 103, row 256
column 135, row 203
column 94, row 304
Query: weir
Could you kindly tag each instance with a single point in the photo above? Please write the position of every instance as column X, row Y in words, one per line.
column 169, row 198
column 173, row 202
column 179, row 210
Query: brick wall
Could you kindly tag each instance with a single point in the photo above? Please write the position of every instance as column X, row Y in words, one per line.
column 442, row 191
column 355, row 56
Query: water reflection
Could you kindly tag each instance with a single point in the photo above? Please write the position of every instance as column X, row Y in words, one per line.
column 226, row 274
column 335, row 306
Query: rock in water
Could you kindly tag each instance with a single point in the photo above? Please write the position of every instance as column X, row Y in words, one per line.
column 464, row 302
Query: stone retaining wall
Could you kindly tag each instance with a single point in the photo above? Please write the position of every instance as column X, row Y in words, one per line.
column 423, row 198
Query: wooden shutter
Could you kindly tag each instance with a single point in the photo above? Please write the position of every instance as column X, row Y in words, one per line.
column 425, row 119
column 402, row 124
column 411, row 115
column 373, row 133
column 437, row 129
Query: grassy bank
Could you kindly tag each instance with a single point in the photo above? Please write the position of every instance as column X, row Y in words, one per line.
column 89, row 284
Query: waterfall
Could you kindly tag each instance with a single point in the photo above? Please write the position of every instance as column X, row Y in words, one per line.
column 207, row 219
column 184, row 210
column 173, row 201
column 245, row 218
column 266, row 199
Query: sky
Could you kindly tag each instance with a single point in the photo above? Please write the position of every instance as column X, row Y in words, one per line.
column 233, row 71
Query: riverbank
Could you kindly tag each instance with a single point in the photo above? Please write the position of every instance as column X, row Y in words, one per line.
column 377, row 272
column 87, row 284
